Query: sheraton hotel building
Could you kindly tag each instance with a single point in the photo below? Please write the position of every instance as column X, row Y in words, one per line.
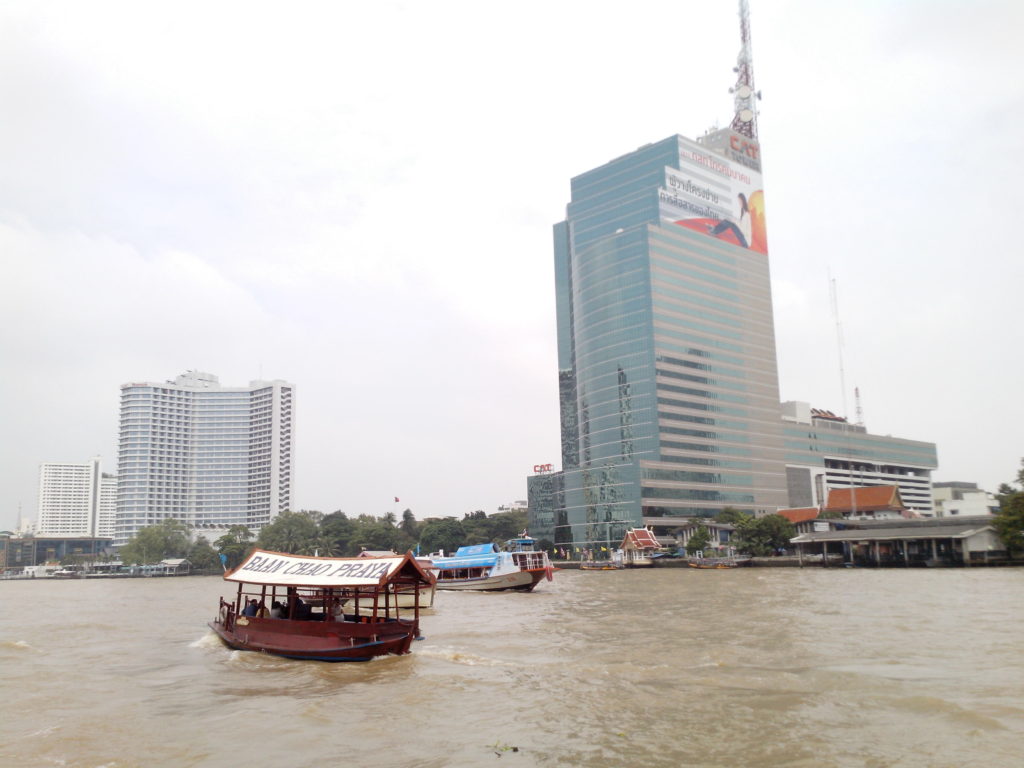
column 668, row 382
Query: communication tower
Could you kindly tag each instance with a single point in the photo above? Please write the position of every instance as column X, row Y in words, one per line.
column 834, row 295
column 744, row 95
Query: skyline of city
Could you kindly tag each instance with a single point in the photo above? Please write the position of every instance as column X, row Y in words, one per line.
column 251, row 217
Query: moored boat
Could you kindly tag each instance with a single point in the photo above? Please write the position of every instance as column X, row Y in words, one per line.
column 484, row 567
column 601, row 565
column 322, row 608
column 718, row 563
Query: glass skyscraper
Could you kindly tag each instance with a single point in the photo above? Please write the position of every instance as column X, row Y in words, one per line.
column 207, row 455
column 666, row 347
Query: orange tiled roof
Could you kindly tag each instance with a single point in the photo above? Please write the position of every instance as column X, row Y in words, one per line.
column 640, row 538
column 801, row 515
column 870, row 498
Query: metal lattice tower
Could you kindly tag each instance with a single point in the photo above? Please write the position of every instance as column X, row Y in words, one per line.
column 744, row 95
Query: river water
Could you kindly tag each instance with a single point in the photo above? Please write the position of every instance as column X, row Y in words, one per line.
column 668, row 667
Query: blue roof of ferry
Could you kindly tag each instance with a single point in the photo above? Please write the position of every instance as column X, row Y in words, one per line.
column 476, row 549
column 473, row 556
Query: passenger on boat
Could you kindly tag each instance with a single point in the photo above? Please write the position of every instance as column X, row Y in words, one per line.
column 338, row 609
column 262, row 612
column 277, row 610
column 300, row 610
column 251, row 608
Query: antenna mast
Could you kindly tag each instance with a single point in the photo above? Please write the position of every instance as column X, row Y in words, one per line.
column 745, row 120
column 839, row 339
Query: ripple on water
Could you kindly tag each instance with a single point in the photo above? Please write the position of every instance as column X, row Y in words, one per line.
column 931, row 706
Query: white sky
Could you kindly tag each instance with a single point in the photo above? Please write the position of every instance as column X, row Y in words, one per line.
column 358, row 198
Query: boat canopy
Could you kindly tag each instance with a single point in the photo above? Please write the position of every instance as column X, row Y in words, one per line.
column 473, row 556
column 263, row 567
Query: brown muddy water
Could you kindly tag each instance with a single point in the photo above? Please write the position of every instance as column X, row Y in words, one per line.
column 670, row 667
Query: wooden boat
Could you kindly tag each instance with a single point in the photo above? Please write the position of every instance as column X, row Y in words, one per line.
column 600, row 565
column 718, row 563
column 322, row 608
column 484, row 567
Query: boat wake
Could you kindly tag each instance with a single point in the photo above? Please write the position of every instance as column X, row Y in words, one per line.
column 209, row 640
column 17, row 645
column 457, row 657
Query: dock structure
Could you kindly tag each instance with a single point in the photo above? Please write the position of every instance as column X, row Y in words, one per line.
column 927, row 542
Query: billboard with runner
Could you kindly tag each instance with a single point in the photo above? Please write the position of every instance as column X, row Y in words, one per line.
column 717, row 190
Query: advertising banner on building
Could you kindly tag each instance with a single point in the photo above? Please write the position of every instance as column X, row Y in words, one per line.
column 717, row 196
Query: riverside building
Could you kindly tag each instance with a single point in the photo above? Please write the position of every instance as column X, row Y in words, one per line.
column 76, row 500
column 207, row 455
column 668, row 383
column 825, row 452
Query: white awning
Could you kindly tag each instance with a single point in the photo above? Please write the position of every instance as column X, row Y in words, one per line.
column 298, row 571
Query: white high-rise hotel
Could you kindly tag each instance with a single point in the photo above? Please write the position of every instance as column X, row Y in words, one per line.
column 207, row 455
column 76, row 499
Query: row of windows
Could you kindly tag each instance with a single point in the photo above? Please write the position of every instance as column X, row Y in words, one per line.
column 701, row 461
column 690, row 494
column 725, row 384
column 673, row 402
column 710, row 395
column 683, row 476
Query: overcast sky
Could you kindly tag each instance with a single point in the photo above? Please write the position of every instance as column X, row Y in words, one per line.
column 358, row 198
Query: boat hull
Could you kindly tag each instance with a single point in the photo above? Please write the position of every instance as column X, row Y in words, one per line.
column 426, row 598
column 523, row 581
column 317, row 641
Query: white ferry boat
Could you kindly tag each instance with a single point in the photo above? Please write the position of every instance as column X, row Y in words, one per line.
column 484, row 567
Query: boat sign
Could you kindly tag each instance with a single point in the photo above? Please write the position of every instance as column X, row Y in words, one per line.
column 274, row 568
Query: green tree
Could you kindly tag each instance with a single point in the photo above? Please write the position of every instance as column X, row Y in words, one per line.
column 410, row 525
column 371, row 533
column 761, row 536
column 203, row 556
column 290, row 533
column 234, row 545
column 731, row 516
column 339, row 531
column 699, row 541
column 1009, row 522
column 508, row 525
column 153, row 543
column 547, row 545
column 497, row 528
column 445, row 534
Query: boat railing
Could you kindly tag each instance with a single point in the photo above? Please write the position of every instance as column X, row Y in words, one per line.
column 226, row 616
column 531, row 560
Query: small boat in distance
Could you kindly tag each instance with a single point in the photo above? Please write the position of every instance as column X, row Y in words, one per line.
column 322, row 608
column 484, row 567
column 718, row 563
column 601, row 565
column 612, row 563
column 407, row 599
